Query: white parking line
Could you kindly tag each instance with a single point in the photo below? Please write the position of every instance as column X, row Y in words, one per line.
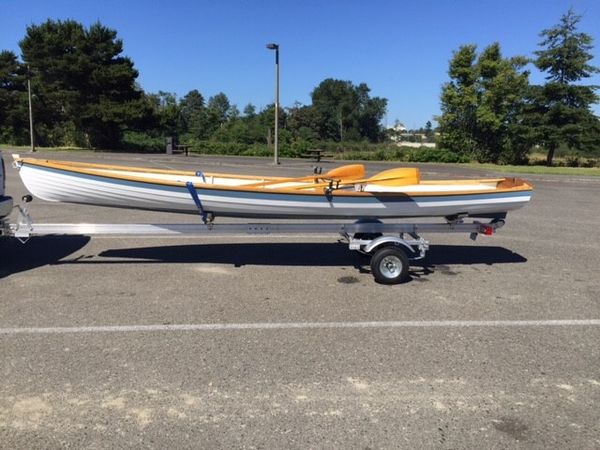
column 296, row 326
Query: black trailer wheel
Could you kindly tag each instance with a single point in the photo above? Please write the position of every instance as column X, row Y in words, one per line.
column 389, row 265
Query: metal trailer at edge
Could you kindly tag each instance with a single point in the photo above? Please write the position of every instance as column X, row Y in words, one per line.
column 390, row 245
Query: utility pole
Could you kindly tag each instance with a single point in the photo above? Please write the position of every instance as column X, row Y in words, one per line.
column 32, row 141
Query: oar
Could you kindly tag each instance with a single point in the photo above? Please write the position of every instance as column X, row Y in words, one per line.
column 337, row 183
column 402, row 176
column 348, row 171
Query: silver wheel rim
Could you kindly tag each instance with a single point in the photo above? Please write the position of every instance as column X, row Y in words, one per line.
column 390, row 266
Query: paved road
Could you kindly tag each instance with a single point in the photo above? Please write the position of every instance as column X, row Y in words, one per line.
column 293, row 345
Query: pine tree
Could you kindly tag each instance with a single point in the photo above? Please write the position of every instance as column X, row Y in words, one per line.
column 560, row 110
column 86, row 91
column 13, row 100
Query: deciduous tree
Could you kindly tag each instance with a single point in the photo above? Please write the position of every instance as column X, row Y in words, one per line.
column 482, row 105
column 502, row 85
column 458, row 122
column 347, row 112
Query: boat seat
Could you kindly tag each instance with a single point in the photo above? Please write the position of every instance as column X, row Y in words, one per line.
column 400, row 176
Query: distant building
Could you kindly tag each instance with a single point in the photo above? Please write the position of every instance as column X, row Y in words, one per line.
column 398, row 127
column 404, row 137
column 396, row 131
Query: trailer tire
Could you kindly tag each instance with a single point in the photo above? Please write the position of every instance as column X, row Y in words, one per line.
column 389, row 265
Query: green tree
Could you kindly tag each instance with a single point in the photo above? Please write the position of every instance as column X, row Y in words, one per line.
column 369, row 113
column 191, row 102
column 86, row 91
column 194, row 115
column 482, row 106
column 560, row 110
column 265, row 121
column 168, row 113
column 502, row 86
column 347, row 112
column 217, row 111
column 13, row 100
column 303, row 122
column 259, row 123
column 459, row 101
column 249, row 111
column 428, row 130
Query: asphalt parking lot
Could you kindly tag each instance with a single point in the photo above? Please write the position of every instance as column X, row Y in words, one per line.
column 287, row 342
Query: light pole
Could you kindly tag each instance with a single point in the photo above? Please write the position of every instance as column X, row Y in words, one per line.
column 31, row 139
column 275, row 47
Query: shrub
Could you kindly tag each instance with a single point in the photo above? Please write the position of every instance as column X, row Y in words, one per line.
column 436, row 155
column 590, row 162
column 258, row 150
column 134, row 141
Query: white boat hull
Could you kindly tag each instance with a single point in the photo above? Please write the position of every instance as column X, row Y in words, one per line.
column 58, row 185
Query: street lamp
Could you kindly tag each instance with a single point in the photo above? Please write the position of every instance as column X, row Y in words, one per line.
column 31, row 138
column 275, row 47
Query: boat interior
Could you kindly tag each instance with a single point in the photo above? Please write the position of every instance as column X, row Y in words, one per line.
column 348, row 177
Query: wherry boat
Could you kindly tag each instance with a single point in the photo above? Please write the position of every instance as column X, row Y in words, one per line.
column 341, row 193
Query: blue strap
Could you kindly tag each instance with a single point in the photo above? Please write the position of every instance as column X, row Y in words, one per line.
column 192, row 190
column 201, row 174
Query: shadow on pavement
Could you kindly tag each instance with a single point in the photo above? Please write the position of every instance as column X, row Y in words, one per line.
column 470, row 254
column 16, row 257
column 298, row 254
column 440, row 258
column 53, row 250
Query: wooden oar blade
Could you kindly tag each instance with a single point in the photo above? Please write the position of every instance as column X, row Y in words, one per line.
column 347, row 172
column 399, row 176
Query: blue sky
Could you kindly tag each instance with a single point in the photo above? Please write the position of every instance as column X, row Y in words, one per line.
column 400, row 49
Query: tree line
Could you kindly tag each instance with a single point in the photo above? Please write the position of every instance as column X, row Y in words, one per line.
column 85, row 94
column 491, row 113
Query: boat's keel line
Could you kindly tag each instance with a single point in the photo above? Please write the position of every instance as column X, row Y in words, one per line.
column 264, row 326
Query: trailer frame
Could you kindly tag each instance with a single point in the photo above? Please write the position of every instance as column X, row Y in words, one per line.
column 390, row 245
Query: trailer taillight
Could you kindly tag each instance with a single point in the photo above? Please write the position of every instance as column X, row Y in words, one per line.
column 487, row 230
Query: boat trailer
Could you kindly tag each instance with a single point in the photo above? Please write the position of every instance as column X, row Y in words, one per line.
column 391, row 246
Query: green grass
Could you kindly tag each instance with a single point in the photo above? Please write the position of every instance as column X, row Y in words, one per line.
column 542, row 170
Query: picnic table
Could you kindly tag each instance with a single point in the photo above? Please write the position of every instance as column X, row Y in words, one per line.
column 317, row 154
